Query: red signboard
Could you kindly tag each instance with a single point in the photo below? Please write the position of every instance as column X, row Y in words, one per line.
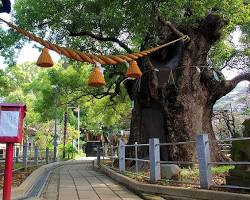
column 11, row 122
column 11, row 131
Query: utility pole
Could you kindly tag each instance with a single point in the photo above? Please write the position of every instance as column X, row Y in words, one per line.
column 78, row 128
column 55, row 130
column 77, row 109
column 65, row 132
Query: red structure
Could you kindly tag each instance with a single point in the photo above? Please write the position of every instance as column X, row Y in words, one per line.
column 11, row 131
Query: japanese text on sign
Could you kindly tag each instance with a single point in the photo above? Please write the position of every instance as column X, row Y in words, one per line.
column 9, row 123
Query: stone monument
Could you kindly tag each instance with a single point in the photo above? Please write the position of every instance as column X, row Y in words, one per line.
column 240, row 151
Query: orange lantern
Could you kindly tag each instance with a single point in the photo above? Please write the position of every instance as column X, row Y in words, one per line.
column 45, row 59
column 96, row 78
column 134, row 70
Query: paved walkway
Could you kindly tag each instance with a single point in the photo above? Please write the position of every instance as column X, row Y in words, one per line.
column 82, row 182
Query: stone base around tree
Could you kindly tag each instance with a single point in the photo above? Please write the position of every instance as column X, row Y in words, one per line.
column 170, row 171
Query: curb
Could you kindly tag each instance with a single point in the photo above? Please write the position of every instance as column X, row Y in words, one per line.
column 172, row 191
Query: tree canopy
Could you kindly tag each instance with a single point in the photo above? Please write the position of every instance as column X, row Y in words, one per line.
column 111, row 26
column 116, row 27
column 37, row 90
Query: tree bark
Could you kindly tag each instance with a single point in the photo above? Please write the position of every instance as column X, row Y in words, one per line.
column 178, row 107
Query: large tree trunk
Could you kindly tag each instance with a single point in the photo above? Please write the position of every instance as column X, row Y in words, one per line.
column 179, row 109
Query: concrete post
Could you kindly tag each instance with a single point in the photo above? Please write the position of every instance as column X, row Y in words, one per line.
column 36, row 155
column 106, row 150
column 17, row 154
column 203, row 153
column 154, row 157
column 121, row 156
column 47, row 155
column 136, row 157
column 98, row 155
column 112, row 155
column 25, row 155
column 103, row 152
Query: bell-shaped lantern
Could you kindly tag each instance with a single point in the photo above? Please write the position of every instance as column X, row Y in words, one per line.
column 96, row 78
column 45, row 59
column 134, row 70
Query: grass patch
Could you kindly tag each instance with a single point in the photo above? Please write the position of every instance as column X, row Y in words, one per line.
column 18, row 165
column 222, row 169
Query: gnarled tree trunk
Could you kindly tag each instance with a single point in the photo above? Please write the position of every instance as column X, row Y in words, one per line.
column 179, row 107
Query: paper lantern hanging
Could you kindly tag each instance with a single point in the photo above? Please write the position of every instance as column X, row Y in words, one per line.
column 134, row 70
column 96, row 78
column 45, row 59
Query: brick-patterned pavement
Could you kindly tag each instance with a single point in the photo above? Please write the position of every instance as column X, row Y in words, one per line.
column 81, row 182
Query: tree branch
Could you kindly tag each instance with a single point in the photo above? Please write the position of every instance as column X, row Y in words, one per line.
column 231, row 84
column 171, row 26
column 218, row 89
column 227, row 86
column 101, row 38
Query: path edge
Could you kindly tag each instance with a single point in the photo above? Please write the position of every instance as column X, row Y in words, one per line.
column 23, row 190
column 171, row 191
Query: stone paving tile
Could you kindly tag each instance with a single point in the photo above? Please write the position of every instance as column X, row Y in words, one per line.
column 81, row 182
column 50, row 195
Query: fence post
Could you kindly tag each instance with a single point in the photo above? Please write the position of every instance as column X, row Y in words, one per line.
column 36, row 155
column 105, row 150
column 112, row 155
column 17, row 154
column 154, row 157
column 47, row 155
column 103, row 153
column 136, row 157
column 98, row 155
column 25, row 154
column 121, row 156
column 203, row 153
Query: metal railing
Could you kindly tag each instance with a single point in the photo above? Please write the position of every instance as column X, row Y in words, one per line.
column 229, row 143
column 202, row 161
column 26, row 156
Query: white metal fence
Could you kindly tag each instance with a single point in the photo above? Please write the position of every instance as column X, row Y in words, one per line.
column 202, row 161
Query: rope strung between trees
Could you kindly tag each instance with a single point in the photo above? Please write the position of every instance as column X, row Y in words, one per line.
column 91, row 58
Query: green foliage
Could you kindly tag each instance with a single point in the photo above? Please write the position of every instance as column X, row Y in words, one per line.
column 44, row 135
column 221, row 52
column 4, row 84
column 102, row 113
column 47, row 91
column 17, row 80
column 42, row 90
column 222, row 169
column 130, row 20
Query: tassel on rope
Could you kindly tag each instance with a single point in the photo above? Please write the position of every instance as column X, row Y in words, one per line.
column 96, row 78
column 45, row 59
column 171, row 76
column 134, row 70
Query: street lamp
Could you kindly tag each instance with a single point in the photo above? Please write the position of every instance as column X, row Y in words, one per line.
column 55, row 90
column 77, row 109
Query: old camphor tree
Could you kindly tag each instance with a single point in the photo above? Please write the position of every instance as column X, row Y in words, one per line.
column 174, row 98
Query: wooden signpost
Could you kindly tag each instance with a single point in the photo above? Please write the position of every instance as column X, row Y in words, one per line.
column 11, row 131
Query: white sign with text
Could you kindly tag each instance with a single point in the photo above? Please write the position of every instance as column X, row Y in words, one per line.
column 9, row 123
